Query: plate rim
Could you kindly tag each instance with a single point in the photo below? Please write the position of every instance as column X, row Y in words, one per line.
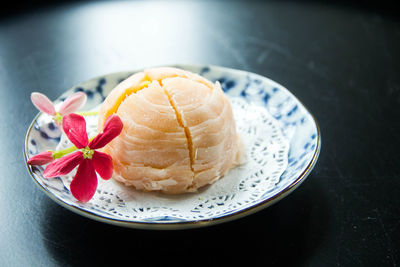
column 176, row 225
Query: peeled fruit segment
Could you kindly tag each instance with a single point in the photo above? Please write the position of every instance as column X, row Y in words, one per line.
column 179, row 133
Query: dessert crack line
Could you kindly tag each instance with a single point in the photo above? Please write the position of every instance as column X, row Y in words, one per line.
column 185, row 128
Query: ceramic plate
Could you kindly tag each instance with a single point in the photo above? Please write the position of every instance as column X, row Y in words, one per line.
column 281, row 140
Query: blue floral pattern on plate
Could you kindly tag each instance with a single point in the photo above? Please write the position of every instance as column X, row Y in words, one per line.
column 296, row 123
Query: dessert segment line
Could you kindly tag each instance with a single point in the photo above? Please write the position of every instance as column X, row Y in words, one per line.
column 185, row 128
column 128, row 91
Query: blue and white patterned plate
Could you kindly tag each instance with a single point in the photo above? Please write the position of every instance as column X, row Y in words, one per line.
column 281, row 137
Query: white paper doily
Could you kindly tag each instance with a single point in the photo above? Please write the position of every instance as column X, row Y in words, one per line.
column 266, row 159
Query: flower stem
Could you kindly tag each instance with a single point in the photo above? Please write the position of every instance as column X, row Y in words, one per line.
column 62, row 153
column 87, row 113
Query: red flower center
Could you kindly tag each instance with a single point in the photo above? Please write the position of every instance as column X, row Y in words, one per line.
column 87, row 152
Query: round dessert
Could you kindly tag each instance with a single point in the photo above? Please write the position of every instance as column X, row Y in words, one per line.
column 179, row 132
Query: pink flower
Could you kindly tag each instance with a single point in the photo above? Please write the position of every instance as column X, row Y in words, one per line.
column 90, row 161
column 41, row 158
column 71, row 104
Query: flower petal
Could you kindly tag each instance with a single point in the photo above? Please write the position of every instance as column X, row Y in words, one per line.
column 41, row 158
column 42, row 103
column 103, row 164
column 73, row 103
column 112, row 128
column 74, row 126
column 63, row 165
column 84, row 184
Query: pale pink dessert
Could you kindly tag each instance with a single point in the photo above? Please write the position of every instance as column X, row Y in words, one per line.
column 179, row 132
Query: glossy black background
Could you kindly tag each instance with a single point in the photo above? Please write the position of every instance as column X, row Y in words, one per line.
column 341, row 59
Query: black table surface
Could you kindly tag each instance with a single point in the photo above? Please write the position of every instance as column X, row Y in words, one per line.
column 341, row 60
